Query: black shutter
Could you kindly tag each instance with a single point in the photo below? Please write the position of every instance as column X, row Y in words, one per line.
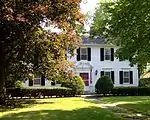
column 120, row 59
column 42, row 80
column 66, row 56
column 102, row 54
column 112, row 54
column 121, row 77
column 30, row 82
column 131, row 77
column 112, row 76
column 78, row 54
column 102, row 73
column 89, row 54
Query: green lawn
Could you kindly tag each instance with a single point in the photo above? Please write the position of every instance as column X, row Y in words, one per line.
column 135, row 106
column 104, row 108
column 58, row 109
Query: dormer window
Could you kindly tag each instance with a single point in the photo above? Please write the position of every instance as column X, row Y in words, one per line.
column 83, row 54
column 107, row 54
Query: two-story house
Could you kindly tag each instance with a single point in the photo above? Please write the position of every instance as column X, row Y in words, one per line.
column 94, row 59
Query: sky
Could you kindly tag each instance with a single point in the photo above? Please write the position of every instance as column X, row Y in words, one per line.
column 88, row 6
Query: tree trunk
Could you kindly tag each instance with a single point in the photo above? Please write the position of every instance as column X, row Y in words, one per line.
column 2, row 87
column 2, row 76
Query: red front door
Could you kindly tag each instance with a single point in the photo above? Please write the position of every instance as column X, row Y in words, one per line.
column 85, row 77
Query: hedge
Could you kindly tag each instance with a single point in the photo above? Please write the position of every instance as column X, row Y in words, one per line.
column 67, row 92
column 40, row 92
column 130, row 91
column 144, row 82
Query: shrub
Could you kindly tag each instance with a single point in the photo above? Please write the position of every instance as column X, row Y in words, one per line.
column 103, row 85
column 18, row 84
column 75, row 83
column 144, row 82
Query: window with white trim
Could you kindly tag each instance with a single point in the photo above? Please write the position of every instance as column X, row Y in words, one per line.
column 126, row 77
column 107, row 73
column 37, row 81
column 83, row 54
column 107, row 54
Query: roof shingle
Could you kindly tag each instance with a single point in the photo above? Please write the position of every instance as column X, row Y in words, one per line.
column 98, row 40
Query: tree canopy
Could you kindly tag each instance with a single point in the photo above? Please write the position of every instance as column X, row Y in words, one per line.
column 127, row 24
column 26, row 47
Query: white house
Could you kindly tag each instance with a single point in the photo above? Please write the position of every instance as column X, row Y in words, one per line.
column 94, row 59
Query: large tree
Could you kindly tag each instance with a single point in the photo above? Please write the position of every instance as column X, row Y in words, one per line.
column 127, row 24
column 25, row 47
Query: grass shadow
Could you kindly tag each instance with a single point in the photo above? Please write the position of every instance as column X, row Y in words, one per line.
column 141, row 107
column 90, row 113
column 135, row 107
column 21, row 103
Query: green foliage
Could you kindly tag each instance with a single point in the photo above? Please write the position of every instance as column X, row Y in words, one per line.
column 31, row 76
column 130, row 91
column 75, row 83
column 27, row 47
column 144, row 82
column 104, row 85
column 18, row 84
column 127, row 25
column 38, row 92
column 100, row 19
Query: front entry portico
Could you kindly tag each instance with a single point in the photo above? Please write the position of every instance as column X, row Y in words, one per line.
column 84, row 69
column 85, row 77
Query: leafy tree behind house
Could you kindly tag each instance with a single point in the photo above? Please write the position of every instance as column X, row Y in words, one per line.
column 25, row 47
column 126, row 24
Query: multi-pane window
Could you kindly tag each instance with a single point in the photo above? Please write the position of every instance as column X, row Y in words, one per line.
column 54, row 82
column 37, row 81
column 83, row 54
column 126, row 77
column 108, row 74
column 107, row 54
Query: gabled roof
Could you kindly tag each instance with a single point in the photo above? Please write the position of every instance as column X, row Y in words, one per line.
column 97, row 40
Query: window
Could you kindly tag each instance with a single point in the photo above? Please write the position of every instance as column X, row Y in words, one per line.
column 37, row 81
column 58, row 82
column 53, row 83
column 126, row 77
column 107, row 54
column 85, row 77
column 108, row 74
column 84, row 54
